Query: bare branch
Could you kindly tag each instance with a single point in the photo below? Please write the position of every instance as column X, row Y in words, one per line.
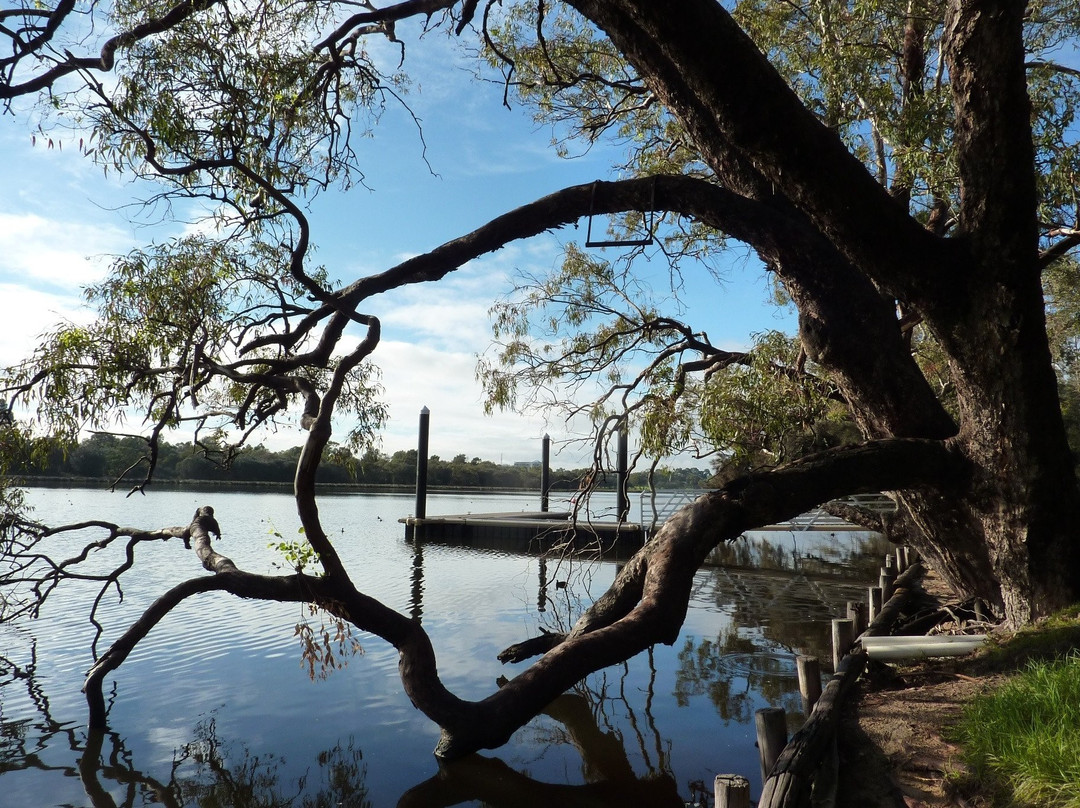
column 1055, row 67
column 105, row 60
column 1060, row 248
column 398, row 11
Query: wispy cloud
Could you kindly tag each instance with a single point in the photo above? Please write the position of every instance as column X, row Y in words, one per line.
column 28, row 313
column 43, row 251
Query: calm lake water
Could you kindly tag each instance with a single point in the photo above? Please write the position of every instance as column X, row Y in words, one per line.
column 214, row 708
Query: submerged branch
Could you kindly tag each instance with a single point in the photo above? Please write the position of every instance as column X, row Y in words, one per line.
column 647, row 602
column 228, row 578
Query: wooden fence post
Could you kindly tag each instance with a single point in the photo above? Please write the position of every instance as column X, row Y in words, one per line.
column 731, row 791
column 857, row 611
column 887, row 580
column 809, row 681
column 771, row 725
column 876, row 602
column 843, row 637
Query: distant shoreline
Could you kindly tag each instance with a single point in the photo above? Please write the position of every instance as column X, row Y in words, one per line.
column 252, row 485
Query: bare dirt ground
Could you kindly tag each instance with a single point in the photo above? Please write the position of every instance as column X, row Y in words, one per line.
column 893, row 749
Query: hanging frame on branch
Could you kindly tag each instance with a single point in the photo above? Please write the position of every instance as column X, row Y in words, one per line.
column 646, row 218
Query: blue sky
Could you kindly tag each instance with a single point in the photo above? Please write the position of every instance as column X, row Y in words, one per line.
column 60, row 219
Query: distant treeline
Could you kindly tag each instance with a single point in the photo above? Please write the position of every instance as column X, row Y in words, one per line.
column 108, row 457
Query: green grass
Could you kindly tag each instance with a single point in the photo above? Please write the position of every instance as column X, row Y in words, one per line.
column 1025, row 736
column 1051, row 638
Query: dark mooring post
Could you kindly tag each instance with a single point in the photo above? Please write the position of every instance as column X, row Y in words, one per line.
column 545, row 473
column 421, row 464
column 624, row 476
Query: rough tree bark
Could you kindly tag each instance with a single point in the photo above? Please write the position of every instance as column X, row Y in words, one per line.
column 1008, row 536
column 990, row 498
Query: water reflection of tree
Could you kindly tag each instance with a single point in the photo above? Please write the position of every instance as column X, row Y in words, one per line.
column 790, row 610
column 736, row 675
column 228, row 777
column 206, row 771
column 138, row 788
column 588, row 720
column 492, row 782
column 213, row 772
column 774, row 614
column 585, row 719
column 840, row 554
column 221, row 775
column 22, row 742
column 605, row 717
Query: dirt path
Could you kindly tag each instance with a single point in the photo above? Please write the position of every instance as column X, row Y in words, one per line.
column 893, row 746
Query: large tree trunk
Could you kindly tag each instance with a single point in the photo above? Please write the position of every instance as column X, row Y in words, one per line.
column 1022, row 495
column 1005, row 533
column 1024, row 490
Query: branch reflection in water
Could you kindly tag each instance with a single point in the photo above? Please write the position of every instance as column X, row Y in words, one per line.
column 215, row 708
column 209, row 770
column 575, row 720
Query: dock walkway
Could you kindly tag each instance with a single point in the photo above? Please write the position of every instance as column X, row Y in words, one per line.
column 548, row 527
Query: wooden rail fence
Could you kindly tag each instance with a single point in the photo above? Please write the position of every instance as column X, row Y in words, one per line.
column 795, row 771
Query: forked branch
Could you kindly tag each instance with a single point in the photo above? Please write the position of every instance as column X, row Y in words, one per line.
column 645, row 605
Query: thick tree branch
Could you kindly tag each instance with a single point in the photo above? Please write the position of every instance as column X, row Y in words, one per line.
column 853, row 334
column 320, row 430
column 1054, row 67
column 710, row 74
column 393, row 13
column 756, row 223
column 647, row 602
column 854, row 514
column 227, row 578
column 1059, row 249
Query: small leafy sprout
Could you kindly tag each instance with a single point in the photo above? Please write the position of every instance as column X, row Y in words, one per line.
column 298, row 554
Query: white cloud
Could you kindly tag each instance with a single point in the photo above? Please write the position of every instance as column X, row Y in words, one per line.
column 38, row 250
column 416, row 375
column 27, row 314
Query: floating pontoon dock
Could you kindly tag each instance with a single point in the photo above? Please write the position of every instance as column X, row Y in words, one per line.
column 544, row 529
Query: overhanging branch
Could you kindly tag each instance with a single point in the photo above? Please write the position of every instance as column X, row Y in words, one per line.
column 745, row 219
column 293, row 588
column 104, row 61
column 647, row 602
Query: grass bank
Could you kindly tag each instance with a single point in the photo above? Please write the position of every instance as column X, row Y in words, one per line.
column 1023, row 738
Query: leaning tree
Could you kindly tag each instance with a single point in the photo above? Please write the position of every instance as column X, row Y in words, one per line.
column 904, row 171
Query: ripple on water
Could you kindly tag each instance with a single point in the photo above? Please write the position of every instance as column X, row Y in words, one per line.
column 236, row 666
column 761, row 663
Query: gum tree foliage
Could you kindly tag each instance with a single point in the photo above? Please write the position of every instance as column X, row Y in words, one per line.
column 905, row 171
